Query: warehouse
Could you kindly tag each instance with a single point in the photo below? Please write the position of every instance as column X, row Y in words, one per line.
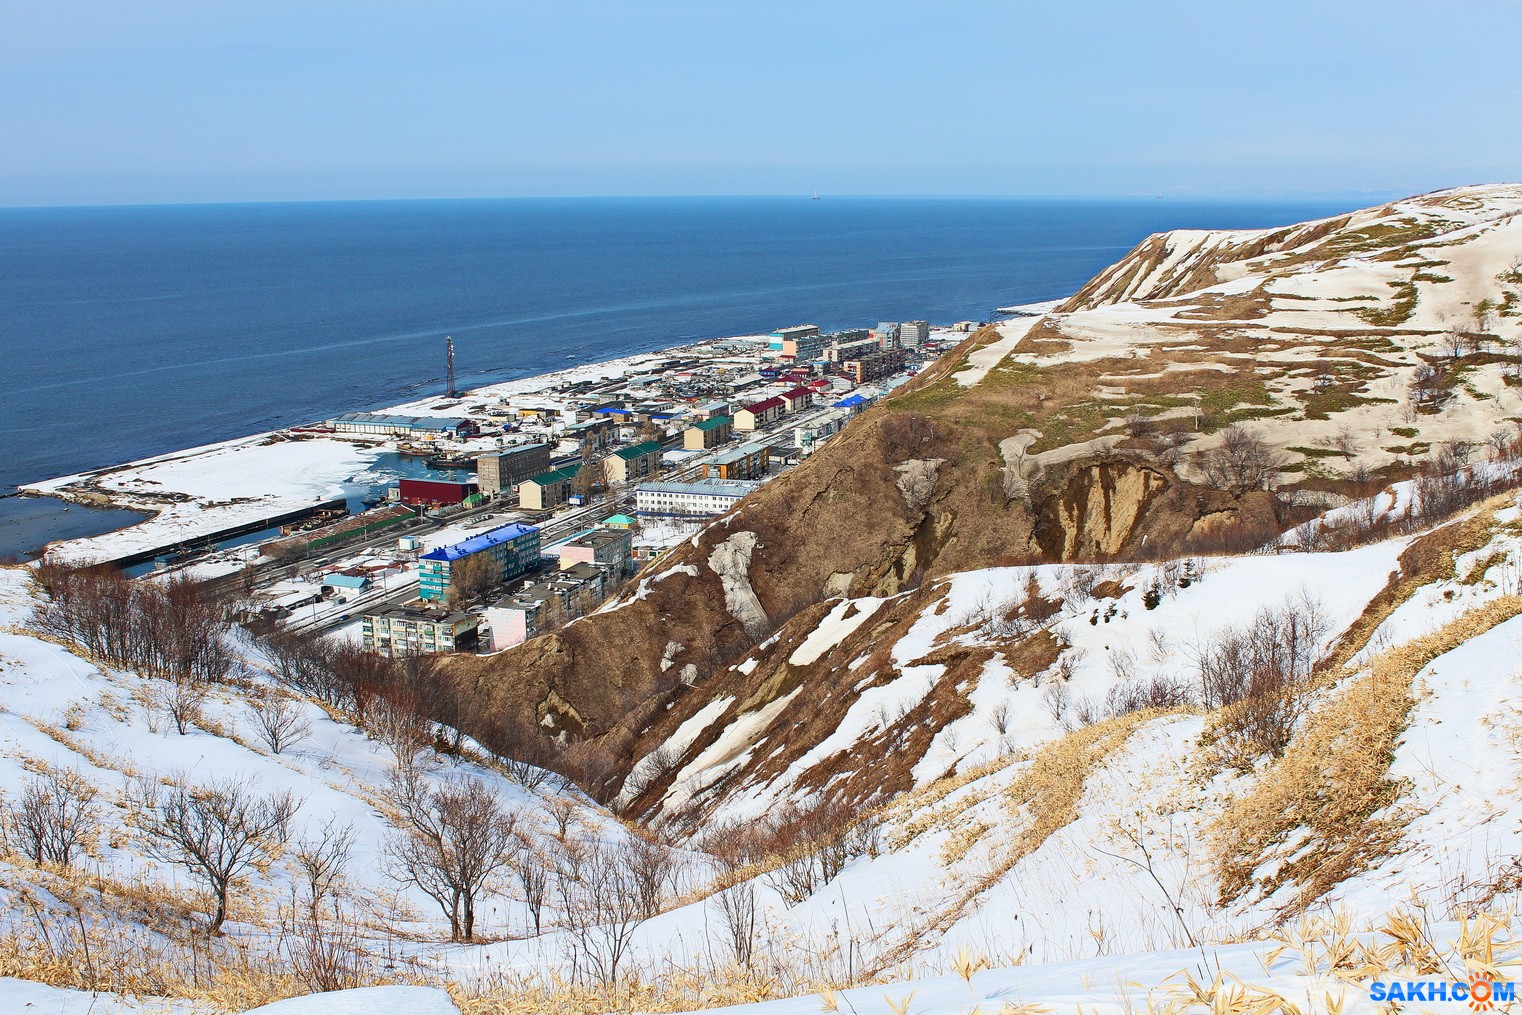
column 513, row 550
column 435, row 492
column 384, row 425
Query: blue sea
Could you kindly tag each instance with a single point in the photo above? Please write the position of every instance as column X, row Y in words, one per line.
column 132, row 331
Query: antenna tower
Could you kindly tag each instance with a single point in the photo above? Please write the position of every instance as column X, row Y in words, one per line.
column 449, row 361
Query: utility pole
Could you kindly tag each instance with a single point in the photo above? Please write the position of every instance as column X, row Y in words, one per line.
column 449, row 390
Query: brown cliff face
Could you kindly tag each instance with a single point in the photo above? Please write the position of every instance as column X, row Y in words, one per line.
column 896, row 500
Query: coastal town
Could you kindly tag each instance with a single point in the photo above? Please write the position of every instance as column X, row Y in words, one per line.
column 477, row 520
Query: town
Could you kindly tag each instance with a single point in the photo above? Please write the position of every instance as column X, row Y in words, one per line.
column 519, row 510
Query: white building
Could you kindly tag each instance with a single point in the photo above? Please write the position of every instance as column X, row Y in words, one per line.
column 707, row 498
column 913, row 334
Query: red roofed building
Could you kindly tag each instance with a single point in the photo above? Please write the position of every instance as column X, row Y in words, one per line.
column 759, row 414
column 796, row 398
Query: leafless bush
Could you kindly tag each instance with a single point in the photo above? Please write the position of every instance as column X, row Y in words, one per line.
column 1139, row 695
column 1256, row 673
column 322, row 863
column 327, row 954
column 1058, row 698
column 219, row 833
column 279, row 721
column 456, row 838
column 603, row 904
column 527, row 860
column 812, row 845
column 182, row 700
column 736, row 909
column 54, row 819
column 1242, row 461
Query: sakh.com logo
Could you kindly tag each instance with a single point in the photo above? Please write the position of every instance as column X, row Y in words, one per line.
column 1482, row 991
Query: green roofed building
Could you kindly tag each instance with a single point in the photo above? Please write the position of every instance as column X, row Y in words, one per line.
column 708, row 433
column 548, row 489
column 631, row 464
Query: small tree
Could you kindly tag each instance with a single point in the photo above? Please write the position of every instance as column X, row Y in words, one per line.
column 323, row 862
column 470, row 578
column 219, row 833
column 54, row 819
column 1242, row 461
column 603, row 905
column 279, row 721
column 455, row 840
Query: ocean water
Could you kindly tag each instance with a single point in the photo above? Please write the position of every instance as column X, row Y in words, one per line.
column 128, row 332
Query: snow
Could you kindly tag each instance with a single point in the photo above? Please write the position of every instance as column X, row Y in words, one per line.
column 981, row 360
column 834, row 628
column 366, row 1001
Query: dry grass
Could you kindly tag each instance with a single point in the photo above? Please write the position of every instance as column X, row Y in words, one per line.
column 1327, row 810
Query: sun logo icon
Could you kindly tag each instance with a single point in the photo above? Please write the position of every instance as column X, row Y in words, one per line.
column 1481, row 992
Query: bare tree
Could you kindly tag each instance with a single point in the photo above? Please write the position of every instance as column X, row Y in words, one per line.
column 603, row 905
column 323, row 862
column 279, row 720
column 182, row 699
column 219, row 833
column 456, row 839
column 54, row 819
column 527, row 860
column 1242, row 461
column 471, row 578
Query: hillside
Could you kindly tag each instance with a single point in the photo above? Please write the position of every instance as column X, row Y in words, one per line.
column 1351, row 353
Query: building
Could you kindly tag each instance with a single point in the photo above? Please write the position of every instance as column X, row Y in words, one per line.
column 511, row 549
column 789, row 340
column 839, row 353
column 411, row 630
column 913, row 334
column 609, row 548
column 874, row 365
column 749, row 461
column 711, row 409
column 631, row 464
column 355, row 527
column 384, row 425
column 825, row 425
column 758, row 414
column 888, row 335
column 548, row 489
column 690, row 501
column 346, row 585
column 599, row 433
column 501, row 471
column 707, row 433
column 797, row 398
column 436, row 492
column 853, row 403
column 545, row 606
column 619, row 522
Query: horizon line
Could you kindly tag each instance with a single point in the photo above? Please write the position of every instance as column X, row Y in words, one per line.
column 1274, row 198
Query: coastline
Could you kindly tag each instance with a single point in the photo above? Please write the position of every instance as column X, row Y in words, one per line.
column 197, row 491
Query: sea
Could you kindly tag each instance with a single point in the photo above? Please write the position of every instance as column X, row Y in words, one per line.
column 133, row 331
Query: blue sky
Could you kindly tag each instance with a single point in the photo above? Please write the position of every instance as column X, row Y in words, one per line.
column 270, row 100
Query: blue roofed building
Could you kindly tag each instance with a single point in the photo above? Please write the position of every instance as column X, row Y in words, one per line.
column 513, row 550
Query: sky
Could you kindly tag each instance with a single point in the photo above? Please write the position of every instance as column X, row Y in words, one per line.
column 215, row 100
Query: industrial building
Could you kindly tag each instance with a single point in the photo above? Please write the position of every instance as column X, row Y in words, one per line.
column 384, row 425
column 690, row 501
column 759, row 414
column 707, row 433
column 749, row 461
column 411, row 630
column 513, row 550
column 436, row 492
column 548, row 489
column 501, row 471
column 631, row 464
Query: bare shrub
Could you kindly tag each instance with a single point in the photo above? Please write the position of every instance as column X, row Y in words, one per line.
column 1242, row 461
column 322, row 863
column 603, row 904
column 456, row 838
column 182, row 700
column 279, row 721
column 54, row 818
column 1058, row 698
column 219, row 833
column 1255, row 673
column 527, row 860
column 326, row 953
